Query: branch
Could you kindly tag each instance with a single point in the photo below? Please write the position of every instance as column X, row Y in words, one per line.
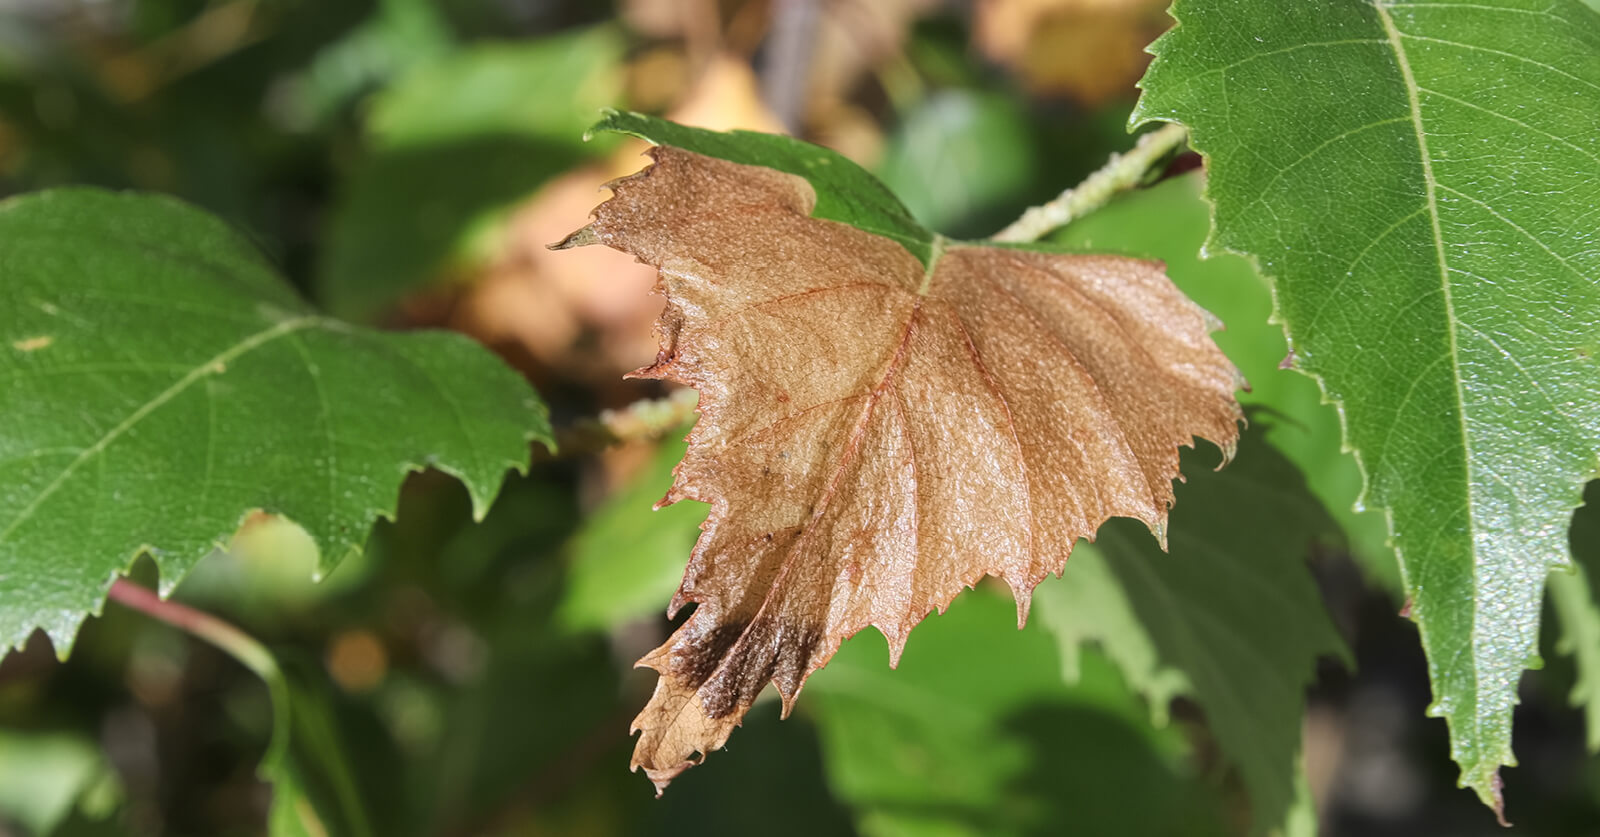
column 1120, row 173
column 643, row 420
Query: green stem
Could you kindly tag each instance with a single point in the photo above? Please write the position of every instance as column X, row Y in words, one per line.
column 234, row 642
column 1120, row 173
column 254, row 656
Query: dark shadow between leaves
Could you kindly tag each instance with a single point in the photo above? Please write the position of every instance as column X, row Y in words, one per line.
column 404, row 214
column 1090, row 771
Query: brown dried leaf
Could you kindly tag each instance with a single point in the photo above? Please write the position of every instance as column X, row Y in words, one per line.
column 874, row 437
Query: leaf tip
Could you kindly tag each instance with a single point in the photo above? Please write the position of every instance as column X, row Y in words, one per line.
column 662, row 777
column 582, row 237
column 607, row 115
column 1493, row 795
column 897, row 645
column 1024, row 596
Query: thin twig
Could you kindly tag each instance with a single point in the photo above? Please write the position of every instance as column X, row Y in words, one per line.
column 644, row 420
column 791, row 46
column 1121, row 172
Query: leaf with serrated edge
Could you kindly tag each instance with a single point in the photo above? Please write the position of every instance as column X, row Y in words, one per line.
column 1170, row 221
column 162, row 383
column 1231, row 618
column 1420, row 179
column 878, row 432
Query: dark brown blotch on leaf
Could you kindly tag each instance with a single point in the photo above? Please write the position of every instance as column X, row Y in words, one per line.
column 875, row 436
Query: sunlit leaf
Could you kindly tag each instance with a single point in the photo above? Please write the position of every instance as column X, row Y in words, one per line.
column 1411, row 176
column 163, row 383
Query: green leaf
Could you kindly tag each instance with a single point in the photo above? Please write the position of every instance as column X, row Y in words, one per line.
column 314, row 790
column 455, row 145
column 163, row 382
column 958, row 153
column 1574, row 598
column 1231, row 617
column 1411, row 175
column 628, row 558
column 846, row 192
column 975, row 733
column 397, row 36
column 45, row 775
column 1170, row 221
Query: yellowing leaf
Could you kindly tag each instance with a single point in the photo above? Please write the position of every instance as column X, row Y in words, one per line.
column 877, row 433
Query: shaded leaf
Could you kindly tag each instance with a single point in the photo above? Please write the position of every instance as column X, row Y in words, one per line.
column 977, row 142
column 314, row 789
column 163, row 383
column 1230, row 618
column 975, row 733
column 1408, row 174
column 866, row 422
column 1575, row 598
column 628, row 557
column 45, row 775
column 454, row 145
column 399, row 35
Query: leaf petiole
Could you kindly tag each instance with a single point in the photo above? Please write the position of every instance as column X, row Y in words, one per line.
column 285, row 765
column 230, row 639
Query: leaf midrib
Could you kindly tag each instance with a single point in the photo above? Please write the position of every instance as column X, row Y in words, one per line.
column 823, row 503
column 1394, row 37
column 194, row 375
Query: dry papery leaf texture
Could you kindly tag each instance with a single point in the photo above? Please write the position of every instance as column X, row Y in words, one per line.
column 875, row 436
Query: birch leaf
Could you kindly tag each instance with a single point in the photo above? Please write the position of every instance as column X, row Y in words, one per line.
column 1420, row 180
column 162, row 382
column 878, row 431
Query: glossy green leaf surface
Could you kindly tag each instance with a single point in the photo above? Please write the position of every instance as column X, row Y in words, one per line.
column 1410, row 174
column 845, row 191
column 163, row 382
column 453, row 146
column 1231, row 617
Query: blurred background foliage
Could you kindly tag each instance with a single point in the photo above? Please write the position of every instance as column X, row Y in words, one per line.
column 405, row 162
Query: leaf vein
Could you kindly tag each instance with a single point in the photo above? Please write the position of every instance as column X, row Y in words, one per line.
column 207, row 367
